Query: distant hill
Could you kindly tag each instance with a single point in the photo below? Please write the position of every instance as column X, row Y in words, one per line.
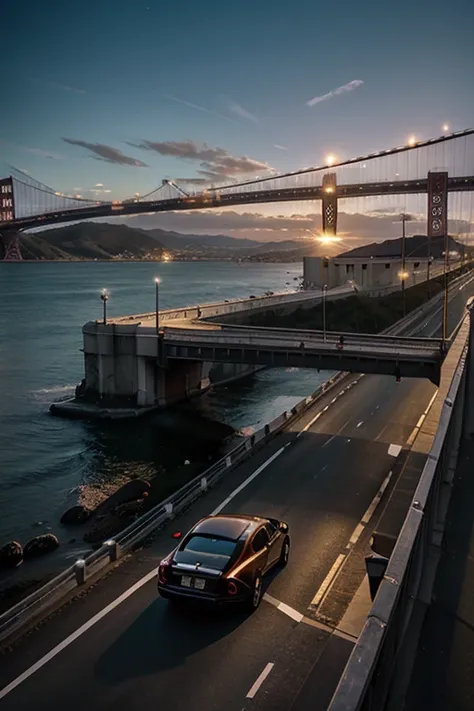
column 174, row 240
column 102, row 240
column 416, row 246
column 91, row 240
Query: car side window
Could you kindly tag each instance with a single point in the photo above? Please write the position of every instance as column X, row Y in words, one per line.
column 271, row 529
column 260, row 541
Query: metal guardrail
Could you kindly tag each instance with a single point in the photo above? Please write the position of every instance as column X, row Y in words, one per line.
column 38, row 603
column 377, row 672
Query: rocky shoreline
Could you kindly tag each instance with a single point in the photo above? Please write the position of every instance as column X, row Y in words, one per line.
column 93, row 513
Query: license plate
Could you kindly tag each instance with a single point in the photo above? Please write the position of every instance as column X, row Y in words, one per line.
column 188, row 582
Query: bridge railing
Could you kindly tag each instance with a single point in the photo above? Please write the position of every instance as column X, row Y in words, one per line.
column 300, row 341
column 377, row 672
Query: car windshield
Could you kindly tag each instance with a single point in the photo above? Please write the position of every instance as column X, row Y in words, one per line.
column 210, row 546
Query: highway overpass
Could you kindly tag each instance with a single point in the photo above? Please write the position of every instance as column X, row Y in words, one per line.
column 129, row 362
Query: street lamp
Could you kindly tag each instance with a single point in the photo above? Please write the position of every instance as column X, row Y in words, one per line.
column 104, row 295
column 325, row 288
column 157, row 303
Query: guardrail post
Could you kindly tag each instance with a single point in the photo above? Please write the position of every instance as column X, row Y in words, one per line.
column 228, row 461
column 115, row 550
column 80, row 570
column 169, row 509
column 203, row 483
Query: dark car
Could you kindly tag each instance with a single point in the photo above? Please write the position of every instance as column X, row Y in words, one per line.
column 223, row 559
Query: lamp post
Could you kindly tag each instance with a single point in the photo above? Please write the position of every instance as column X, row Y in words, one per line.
column 157, row 304
column 325, row 287
column 104, row 296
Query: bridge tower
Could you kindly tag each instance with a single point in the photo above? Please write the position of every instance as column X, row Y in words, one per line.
column 329, row 205
column 11, row 238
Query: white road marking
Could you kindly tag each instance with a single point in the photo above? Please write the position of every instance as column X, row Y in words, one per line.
column 394, row 450
column 328, row 580
column 290, row 611
column 417, row 427
column 256, row 686
column 115, row 603
column 283, row 607
column 80, row 631
column 375, row 501
column 356, row 534
column 310, row 423
column 247, row 481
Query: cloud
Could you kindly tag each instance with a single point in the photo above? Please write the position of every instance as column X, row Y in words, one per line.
column 39, row 152
column 215, row 163
column 335, row 92
column 198, row 107
column 240, row 111
column 99, row 185
column 66, row 87
column 280, row 148
column 107, row 153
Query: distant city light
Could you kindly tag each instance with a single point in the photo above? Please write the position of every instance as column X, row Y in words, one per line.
column 445, row 127
column 167, row 258
column 412, row 141
column 330, row 159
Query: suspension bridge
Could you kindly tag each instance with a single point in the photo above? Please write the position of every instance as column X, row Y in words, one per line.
column 436, row 168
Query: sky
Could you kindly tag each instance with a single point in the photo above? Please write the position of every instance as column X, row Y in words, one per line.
column 105, row 98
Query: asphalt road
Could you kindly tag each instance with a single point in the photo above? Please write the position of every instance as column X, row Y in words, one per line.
column 142, row 654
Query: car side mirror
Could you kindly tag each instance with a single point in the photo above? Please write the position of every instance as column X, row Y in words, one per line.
column 284, row 527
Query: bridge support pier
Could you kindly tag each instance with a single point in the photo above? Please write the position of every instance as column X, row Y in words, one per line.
column 329, row 212
column 11, row 242
column 117, row 373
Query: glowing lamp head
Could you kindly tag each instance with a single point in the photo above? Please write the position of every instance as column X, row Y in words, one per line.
column 403, row 275
column 330, row 159
column 329, row 189
column 412, row 141
column 104, row 294
column 157, row 280
column 445, row 127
